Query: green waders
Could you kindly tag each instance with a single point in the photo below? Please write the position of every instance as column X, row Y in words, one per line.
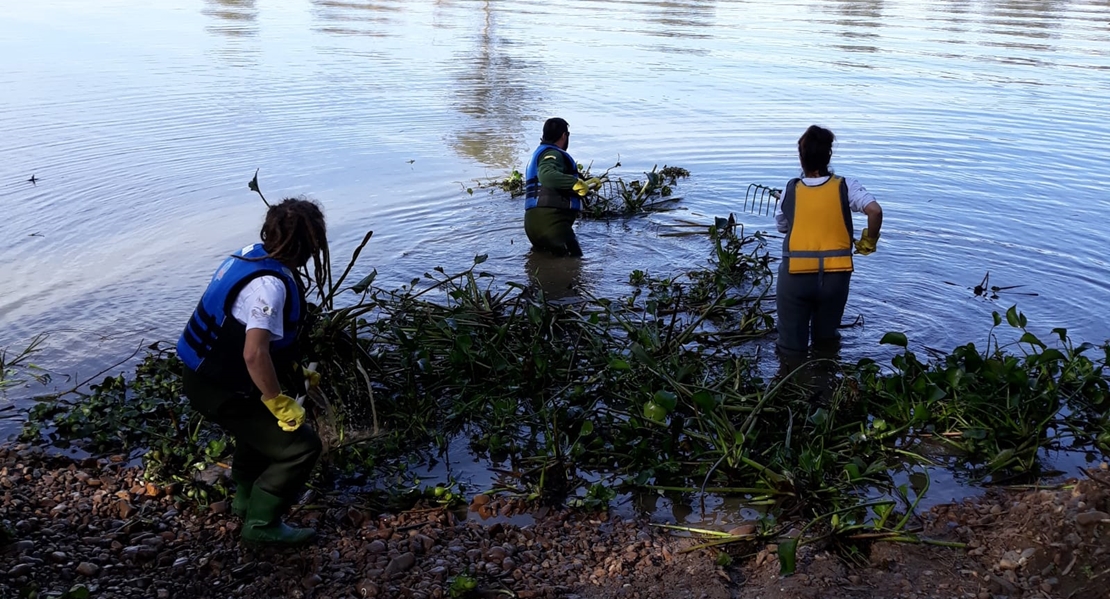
column 552, row 230
column 270, row 466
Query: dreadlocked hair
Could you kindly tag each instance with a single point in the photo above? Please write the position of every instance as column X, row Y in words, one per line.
column 293, row 232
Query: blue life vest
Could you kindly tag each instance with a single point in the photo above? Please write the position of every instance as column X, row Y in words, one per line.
column 535, row 195
column 212, row 343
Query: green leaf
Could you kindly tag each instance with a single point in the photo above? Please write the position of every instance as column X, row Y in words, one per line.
column 788, row 552
column 666, row 399
column 936, row 393
column 619, row 364
column 587, row 428
column 365, row 283
column 1052, row 355
column 1031, row 339
column 1012, row 317
column 642, row 355
column 705, row 400
column 894, row 338
column 480, row 258
column 655, row 412
column 77, row 591
column 1001, row 460
column 997, row 318
column 1062, row 333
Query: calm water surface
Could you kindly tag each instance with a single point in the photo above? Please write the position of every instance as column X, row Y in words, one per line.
column 981, row 127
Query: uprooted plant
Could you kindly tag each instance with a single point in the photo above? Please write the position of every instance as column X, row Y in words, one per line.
column 615, row 197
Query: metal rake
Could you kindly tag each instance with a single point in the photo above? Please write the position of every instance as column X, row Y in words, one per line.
column 760, row 199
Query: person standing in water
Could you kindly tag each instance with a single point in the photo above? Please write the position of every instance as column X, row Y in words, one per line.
column 816, row 268
column 553, row 193
column 239, row 348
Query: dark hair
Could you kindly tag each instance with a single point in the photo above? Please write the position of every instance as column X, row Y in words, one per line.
column 553, row 129
column 293, row 232
column 815, row 150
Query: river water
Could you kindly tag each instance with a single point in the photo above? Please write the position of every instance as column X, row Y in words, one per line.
column 980, row 127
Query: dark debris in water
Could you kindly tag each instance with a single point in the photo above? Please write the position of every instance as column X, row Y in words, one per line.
column 985, row 290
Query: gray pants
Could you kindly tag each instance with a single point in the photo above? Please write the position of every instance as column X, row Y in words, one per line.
column 809, row 301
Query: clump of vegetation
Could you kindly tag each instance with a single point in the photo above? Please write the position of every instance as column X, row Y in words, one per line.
column 658, row 389
column 996, row 406
column 145, row 414
column 18, row 369
column 618, row 198
column 615, row 198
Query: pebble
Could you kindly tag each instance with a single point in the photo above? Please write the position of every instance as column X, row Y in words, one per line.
column 401, row 563
column 174, row 546
column 367, row 588
column 19, row 570
column 1092, row 517
column 87, row 569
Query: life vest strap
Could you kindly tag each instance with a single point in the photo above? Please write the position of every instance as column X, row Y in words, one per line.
column 817, row 254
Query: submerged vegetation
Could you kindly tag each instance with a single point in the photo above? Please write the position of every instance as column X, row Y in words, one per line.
column 661, row 389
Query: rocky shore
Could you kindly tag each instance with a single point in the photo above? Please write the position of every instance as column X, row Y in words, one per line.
column 93, row 528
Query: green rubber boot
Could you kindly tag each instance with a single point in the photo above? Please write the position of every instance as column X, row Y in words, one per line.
column 242, row 497
column 263, row 525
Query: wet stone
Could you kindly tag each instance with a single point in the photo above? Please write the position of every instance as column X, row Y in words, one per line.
column 88, row 569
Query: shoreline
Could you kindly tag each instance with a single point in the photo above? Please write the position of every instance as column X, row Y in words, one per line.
column 93, row 524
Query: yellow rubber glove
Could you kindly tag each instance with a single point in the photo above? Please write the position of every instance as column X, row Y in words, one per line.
column 586, row 186
column 311, row 377
column 289, row 414
column 866, row 244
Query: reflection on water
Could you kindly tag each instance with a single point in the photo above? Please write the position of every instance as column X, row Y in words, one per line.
column 861, row 21
column 858, row 13
column 559, row 278
column 235, row 22
column 497, row 92
column 234, row 18
column 690, row 19
column 355, row 17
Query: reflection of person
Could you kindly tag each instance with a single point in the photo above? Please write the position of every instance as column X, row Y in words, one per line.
column 557, row 278
column 816, row 268
column 553, row 193
column 239, row 348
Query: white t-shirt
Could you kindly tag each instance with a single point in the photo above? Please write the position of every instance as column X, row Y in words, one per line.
column 261, row 305
column 858, row 198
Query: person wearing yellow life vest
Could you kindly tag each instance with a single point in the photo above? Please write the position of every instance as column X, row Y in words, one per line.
column 815, row 213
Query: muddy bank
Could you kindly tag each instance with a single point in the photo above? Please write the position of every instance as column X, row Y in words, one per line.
column 94, row 525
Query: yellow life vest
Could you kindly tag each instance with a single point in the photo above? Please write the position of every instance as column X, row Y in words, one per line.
column 819, row 236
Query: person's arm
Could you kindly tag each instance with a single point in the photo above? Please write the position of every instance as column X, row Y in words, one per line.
column 260, row 307
column 874, row 214
column 781, row 223
column 256, row 353
column 551, row 173
column 861, row 200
